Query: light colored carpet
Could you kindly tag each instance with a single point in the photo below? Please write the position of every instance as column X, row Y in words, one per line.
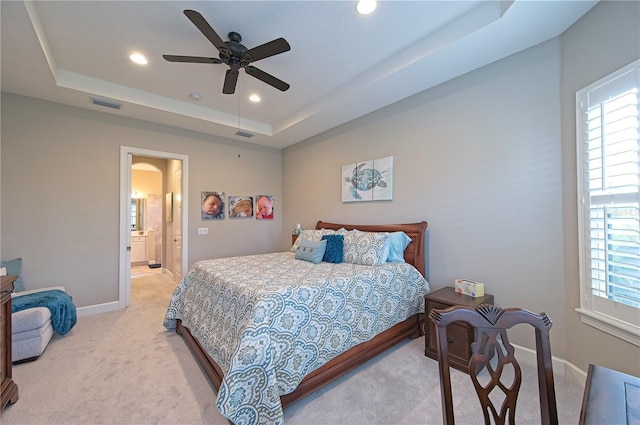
column 124, row 368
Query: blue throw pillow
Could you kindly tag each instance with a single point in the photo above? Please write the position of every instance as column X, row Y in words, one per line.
column 335, row 248
column 398, row 242
column 311, row 251
column 15, row 267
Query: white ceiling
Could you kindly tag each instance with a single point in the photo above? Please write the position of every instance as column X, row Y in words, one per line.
column 340, row 67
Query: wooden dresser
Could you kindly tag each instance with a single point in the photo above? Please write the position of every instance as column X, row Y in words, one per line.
column 460, row 335
column 8, row 387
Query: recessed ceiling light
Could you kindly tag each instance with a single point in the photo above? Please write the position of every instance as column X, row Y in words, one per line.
column 254, row 98
column 365, row 7
column 138, row 58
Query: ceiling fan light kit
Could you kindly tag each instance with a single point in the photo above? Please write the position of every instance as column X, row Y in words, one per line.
column 235, row 55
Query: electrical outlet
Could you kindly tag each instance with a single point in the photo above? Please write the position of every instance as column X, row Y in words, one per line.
column 203, row 230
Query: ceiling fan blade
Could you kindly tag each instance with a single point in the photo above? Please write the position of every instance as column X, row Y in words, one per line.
column 204, row 27
column 274, row 47
column 267, row 78
column 230, row 80
column 190, row 59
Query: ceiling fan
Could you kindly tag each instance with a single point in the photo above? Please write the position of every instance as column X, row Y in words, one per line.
column 235, row 55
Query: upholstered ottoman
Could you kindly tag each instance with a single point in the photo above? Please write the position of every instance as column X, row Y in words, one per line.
column 31, row 330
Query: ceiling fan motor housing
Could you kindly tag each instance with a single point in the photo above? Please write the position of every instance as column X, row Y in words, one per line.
column 237, row 57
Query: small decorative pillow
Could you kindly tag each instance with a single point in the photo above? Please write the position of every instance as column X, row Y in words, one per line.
column 311, row 235
column 398, row 242
column 335, row 248
column 311, row 251
column 15, row 267
column 365, row 248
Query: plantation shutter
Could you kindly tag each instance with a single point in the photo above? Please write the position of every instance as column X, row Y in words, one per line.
column 610, row 195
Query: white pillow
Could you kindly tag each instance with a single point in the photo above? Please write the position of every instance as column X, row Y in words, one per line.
column 366, row 248
column 311, row 235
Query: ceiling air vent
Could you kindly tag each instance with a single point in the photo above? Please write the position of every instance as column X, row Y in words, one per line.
column 105, row 102
column 244, row 134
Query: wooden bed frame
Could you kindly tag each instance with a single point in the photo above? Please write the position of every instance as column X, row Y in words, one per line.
column 410, row 328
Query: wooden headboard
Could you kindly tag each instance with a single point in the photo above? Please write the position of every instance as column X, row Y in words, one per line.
column 415, row 252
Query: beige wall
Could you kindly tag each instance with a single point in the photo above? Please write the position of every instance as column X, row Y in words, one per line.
column 484, row 160
column 606, row 39
column 60, row 193
column 478, row 158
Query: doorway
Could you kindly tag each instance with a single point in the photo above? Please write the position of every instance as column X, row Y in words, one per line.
column 173, row 220
column 147, row 214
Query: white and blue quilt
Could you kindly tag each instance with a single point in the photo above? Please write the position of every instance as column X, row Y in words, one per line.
column 269, row 320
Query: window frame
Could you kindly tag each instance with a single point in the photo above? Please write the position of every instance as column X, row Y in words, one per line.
column 617, row 319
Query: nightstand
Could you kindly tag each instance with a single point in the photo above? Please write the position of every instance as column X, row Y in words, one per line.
column 461, row 335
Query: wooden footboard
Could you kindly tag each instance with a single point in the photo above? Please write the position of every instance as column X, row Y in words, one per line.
column 347, row 361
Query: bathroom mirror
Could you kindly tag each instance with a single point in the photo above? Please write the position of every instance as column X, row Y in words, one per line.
column 137, row 213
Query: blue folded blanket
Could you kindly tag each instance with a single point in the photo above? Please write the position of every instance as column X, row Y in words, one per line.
column 63, row 310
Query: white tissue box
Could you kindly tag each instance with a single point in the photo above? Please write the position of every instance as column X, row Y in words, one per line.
column 469, row 287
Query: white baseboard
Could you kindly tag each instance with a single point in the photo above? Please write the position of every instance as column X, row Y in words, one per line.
column 578, row 375
column 98, row 308
column 561, row 367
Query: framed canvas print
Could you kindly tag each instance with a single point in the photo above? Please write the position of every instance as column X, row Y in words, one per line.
column 212, row 205
column 264, row 207
column 382, row 179
column 240, row 206
column 370, row 180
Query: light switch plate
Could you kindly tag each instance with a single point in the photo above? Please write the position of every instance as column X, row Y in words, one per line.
column 203, row 230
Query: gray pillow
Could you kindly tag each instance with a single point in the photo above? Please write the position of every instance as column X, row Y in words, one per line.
column 311, row 235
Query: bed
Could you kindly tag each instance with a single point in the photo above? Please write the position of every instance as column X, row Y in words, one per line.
column 265, row 342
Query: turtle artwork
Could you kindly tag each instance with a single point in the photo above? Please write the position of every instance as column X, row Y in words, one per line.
column 367, row 180
column 364, row 179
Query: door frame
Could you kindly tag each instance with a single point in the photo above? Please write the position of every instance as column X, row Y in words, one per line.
column 126, row 155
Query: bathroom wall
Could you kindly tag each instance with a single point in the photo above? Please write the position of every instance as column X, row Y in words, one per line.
column 150, row 185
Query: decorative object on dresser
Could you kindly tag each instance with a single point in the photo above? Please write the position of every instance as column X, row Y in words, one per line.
column 469, row 287
column 498, row 385
column 295, row 233
column 8, row 387
column 460, row 335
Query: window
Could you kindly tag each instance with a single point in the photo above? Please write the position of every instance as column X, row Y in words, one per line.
column 609, row 203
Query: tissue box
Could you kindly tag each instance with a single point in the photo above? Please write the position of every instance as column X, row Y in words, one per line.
column 469, row 287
